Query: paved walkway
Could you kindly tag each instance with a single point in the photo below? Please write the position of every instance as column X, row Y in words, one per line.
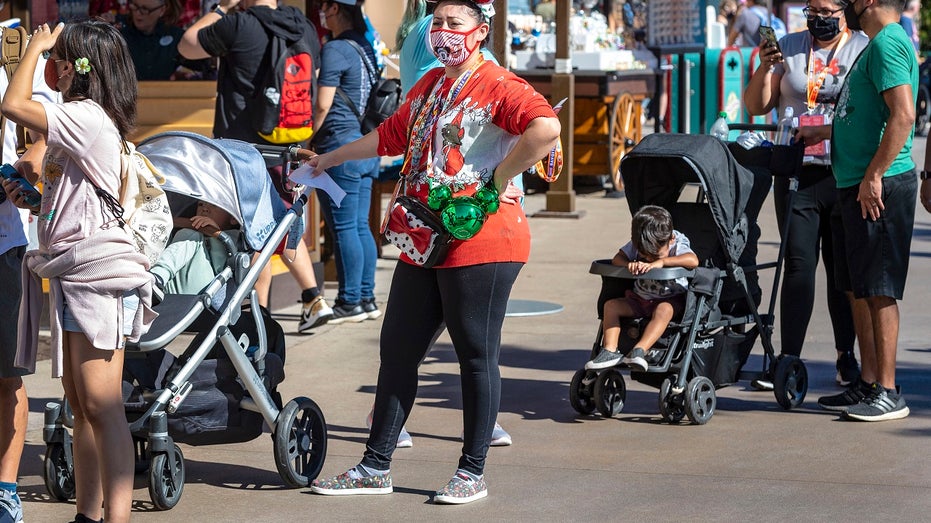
column 751, row 462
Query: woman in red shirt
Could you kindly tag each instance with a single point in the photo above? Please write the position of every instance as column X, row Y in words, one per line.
column 468, row 125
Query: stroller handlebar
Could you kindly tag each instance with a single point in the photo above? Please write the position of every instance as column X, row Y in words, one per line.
column 606, row 268
column 291, row 152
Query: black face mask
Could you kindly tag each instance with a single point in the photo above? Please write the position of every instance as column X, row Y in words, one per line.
column 824, row 29
column 853, row 19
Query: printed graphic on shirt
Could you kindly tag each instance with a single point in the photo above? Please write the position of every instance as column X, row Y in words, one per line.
column 51, row 176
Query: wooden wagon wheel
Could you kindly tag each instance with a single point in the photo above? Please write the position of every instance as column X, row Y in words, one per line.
column 624, row 131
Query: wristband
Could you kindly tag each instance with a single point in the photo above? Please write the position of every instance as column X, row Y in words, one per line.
column 219, row 10
column 924, row 175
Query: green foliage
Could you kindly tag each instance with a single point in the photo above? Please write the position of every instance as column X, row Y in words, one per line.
column 924, row 29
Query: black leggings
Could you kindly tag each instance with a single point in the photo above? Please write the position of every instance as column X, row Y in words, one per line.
column 471, row 302
column 810, row 232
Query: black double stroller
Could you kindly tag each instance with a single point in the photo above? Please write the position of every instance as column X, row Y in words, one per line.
column 221, row 388
column 715, row 201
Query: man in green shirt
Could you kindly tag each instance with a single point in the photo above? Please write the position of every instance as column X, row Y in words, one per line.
column 871, row 158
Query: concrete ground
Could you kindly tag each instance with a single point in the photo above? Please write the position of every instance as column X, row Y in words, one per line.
column 751, row 462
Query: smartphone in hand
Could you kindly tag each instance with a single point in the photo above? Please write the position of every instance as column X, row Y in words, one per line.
column 768, row 37
column 31, row 195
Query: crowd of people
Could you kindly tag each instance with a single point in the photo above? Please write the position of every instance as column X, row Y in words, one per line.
column 465, row 125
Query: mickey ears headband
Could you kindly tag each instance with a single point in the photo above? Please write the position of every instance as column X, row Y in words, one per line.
column 485, row 6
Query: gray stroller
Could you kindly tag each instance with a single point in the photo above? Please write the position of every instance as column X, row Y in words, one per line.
column 222, row 387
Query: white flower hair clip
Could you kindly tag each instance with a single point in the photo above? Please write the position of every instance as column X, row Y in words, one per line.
column 82, row 65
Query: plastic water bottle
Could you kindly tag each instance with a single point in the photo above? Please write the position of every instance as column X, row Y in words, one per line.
column 720, row 130
column 784, row 127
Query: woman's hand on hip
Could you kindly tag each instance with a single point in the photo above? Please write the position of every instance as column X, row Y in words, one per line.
column 511, row 193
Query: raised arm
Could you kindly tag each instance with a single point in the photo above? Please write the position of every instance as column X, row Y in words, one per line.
column 18, row 104
column 762, row 93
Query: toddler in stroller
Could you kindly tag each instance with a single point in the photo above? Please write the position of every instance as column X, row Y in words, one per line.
column 197, row 252
column 654, row 244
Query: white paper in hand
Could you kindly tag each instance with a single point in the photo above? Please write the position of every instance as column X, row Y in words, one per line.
column 322, row 182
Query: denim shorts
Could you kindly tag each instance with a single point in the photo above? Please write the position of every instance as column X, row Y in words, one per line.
column 10, row 274
column 877, row 252
column 130, row 304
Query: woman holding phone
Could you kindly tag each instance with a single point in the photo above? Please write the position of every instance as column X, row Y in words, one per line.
column 805, row 71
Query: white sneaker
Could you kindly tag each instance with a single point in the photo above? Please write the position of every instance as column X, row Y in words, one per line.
column 314, row 314
column 763, row 384
column 499, row 437
column 405, row 441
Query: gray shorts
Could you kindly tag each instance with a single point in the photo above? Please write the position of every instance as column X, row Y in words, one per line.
column 130, row 304
column 11, row 263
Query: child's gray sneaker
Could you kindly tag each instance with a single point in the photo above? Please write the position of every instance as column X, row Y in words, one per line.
column 603, row 360
column 636, row 359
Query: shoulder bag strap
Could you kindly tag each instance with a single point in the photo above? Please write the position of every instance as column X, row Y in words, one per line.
column 373, row 76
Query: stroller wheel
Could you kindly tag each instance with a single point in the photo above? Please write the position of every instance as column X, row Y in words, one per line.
column 580, row 391
column 700, row 400
column 790, row 382
column 59, row 473
column 610, row 393
column 166, row 478
column 300, row 442
column 670, row 403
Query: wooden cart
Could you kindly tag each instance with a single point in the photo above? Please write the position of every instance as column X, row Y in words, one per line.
column 608, row 110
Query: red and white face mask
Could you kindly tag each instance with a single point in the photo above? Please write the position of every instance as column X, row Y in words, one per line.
column 450, row 47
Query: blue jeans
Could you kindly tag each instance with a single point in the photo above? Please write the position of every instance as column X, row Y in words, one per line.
column 354, row 249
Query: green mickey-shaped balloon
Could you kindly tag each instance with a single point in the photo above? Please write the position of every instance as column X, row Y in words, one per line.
column 463, row 217
column 488, row 198
column 439, row 196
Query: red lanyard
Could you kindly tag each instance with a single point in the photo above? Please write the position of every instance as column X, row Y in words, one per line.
column 815, row 84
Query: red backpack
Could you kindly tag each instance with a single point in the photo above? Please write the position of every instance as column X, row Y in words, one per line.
column 283, row 99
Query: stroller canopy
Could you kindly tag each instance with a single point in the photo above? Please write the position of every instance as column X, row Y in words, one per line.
column 658, row 168
column 227, row 173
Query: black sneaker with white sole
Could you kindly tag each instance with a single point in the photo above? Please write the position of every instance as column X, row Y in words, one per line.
column 347, row 313
column 848, row 371
column 370, row 308
column 636, row 359
column 603, row 360
column 881, row 404
column 853, row 395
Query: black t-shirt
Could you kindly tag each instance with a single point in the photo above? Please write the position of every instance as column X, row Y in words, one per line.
column 240, row 40
column 155, row 55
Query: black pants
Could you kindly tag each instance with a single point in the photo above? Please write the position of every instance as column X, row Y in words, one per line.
column 471, row 302
column 809, row 234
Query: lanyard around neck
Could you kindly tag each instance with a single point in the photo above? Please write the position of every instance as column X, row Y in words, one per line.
column 424, row 126
column 815, row 84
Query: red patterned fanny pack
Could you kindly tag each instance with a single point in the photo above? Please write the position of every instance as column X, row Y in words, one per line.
column 417, row 231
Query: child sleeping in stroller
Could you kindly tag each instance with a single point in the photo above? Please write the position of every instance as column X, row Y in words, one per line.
column 654, row 244
column 195, row 254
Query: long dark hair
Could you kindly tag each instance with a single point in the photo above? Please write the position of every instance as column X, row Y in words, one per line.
column 111, row 81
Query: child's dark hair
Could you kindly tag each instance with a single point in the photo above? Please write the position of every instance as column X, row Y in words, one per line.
column 111, row 81
column 651, row 229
